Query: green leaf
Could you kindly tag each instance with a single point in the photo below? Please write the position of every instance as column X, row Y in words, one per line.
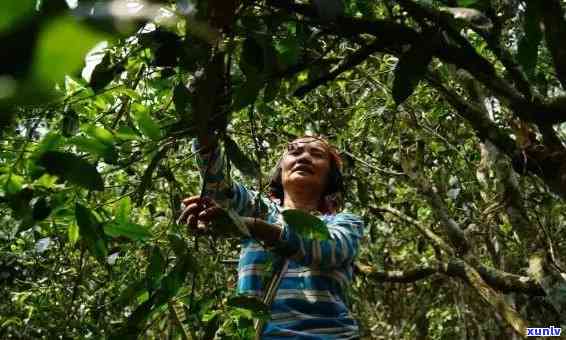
column 123, row 90
column 96, row 148
column 123, row 210
column 12, row 183
column 251, row 60
column 305, row 224
column 177, row 244
column 171, row 283
column 156, row 268
column 70, row 123
column 41, row 209
column 20, row 203
column 251, row 303
column 527, row 53
column 54, row 57
column 247, row 93
column 50, row 142
column 466, row 3
column 366, row 8
column 130, row 230
column 89, row 145
column 91, row 232
column 126, row 133
column 145, row 122
column 148, row 174
column 135, row 322
column 363, row 193
column 289, row 50
column 246, row 166
column 101, row 134
column 46, row 181
column 13, row 13
column 329, row 10
column 131, row 293
column 72, row 168
column 271, row 90
column 104, row 73
column 181, row 99
column 210, row 316
column 410, row 69
column 73, row 233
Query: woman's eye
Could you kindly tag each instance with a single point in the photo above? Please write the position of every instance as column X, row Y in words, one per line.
column 317, row 154
column 295, row 152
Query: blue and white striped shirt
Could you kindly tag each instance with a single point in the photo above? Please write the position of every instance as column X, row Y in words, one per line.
column 310, row 300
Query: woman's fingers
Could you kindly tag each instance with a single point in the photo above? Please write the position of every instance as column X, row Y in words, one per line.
column 199, row 200
column 197, row 209
column 190, row 204
column 182, row 218
column 192, row 221
column 209, row 214
column 192, row 199
column 191, row 209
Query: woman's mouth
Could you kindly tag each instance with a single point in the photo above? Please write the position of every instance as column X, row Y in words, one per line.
column 303, row 168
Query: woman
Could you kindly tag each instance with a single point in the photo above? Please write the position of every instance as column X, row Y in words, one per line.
column 309, row 294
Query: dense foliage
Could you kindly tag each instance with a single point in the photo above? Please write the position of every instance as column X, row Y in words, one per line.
column 448, row 115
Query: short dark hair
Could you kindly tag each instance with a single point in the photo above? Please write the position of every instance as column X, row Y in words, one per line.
column 334, row 184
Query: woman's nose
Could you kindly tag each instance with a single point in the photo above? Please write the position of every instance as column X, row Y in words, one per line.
column 304, row 157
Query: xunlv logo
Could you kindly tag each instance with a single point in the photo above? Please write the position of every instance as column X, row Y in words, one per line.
column 544, row 331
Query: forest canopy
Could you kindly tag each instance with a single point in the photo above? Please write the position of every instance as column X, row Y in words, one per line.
column 448, row 114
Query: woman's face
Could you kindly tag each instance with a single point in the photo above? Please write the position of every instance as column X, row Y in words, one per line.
column 305, row 164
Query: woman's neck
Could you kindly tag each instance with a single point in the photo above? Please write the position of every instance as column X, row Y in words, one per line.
column 306, row 201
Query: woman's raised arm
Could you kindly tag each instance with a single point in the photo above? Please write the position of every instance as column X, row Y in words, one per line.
column 218, row 184
column 345, row 231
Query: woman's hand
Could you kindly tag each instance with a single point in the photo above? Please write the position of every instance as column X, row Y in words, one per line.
column 203, row 215
column 199, row 209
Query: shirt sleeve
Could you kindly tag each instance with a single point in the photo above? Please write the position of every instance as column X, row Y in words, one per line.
column 219, row 186
column 345, row 230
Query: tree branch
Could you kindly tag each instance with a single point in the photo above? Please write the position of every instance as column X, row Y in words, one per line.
column 374, row 167
column 351, row 61
column 493, row 298
column 500, row 280
column 423, row 12
column 453, row 231
column 389, row 31
column 467, row 270
column 483, row 126
column 401, row 276
column 421, row 228
column 554, row 32
column 459, row 53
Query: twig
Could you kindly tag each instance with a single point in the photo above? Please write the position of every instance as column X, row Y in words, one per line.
column 423, row 229
column 76, row 286
column 196, row 237
column 352, row 61
column 371, row 166
column 258, row 153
